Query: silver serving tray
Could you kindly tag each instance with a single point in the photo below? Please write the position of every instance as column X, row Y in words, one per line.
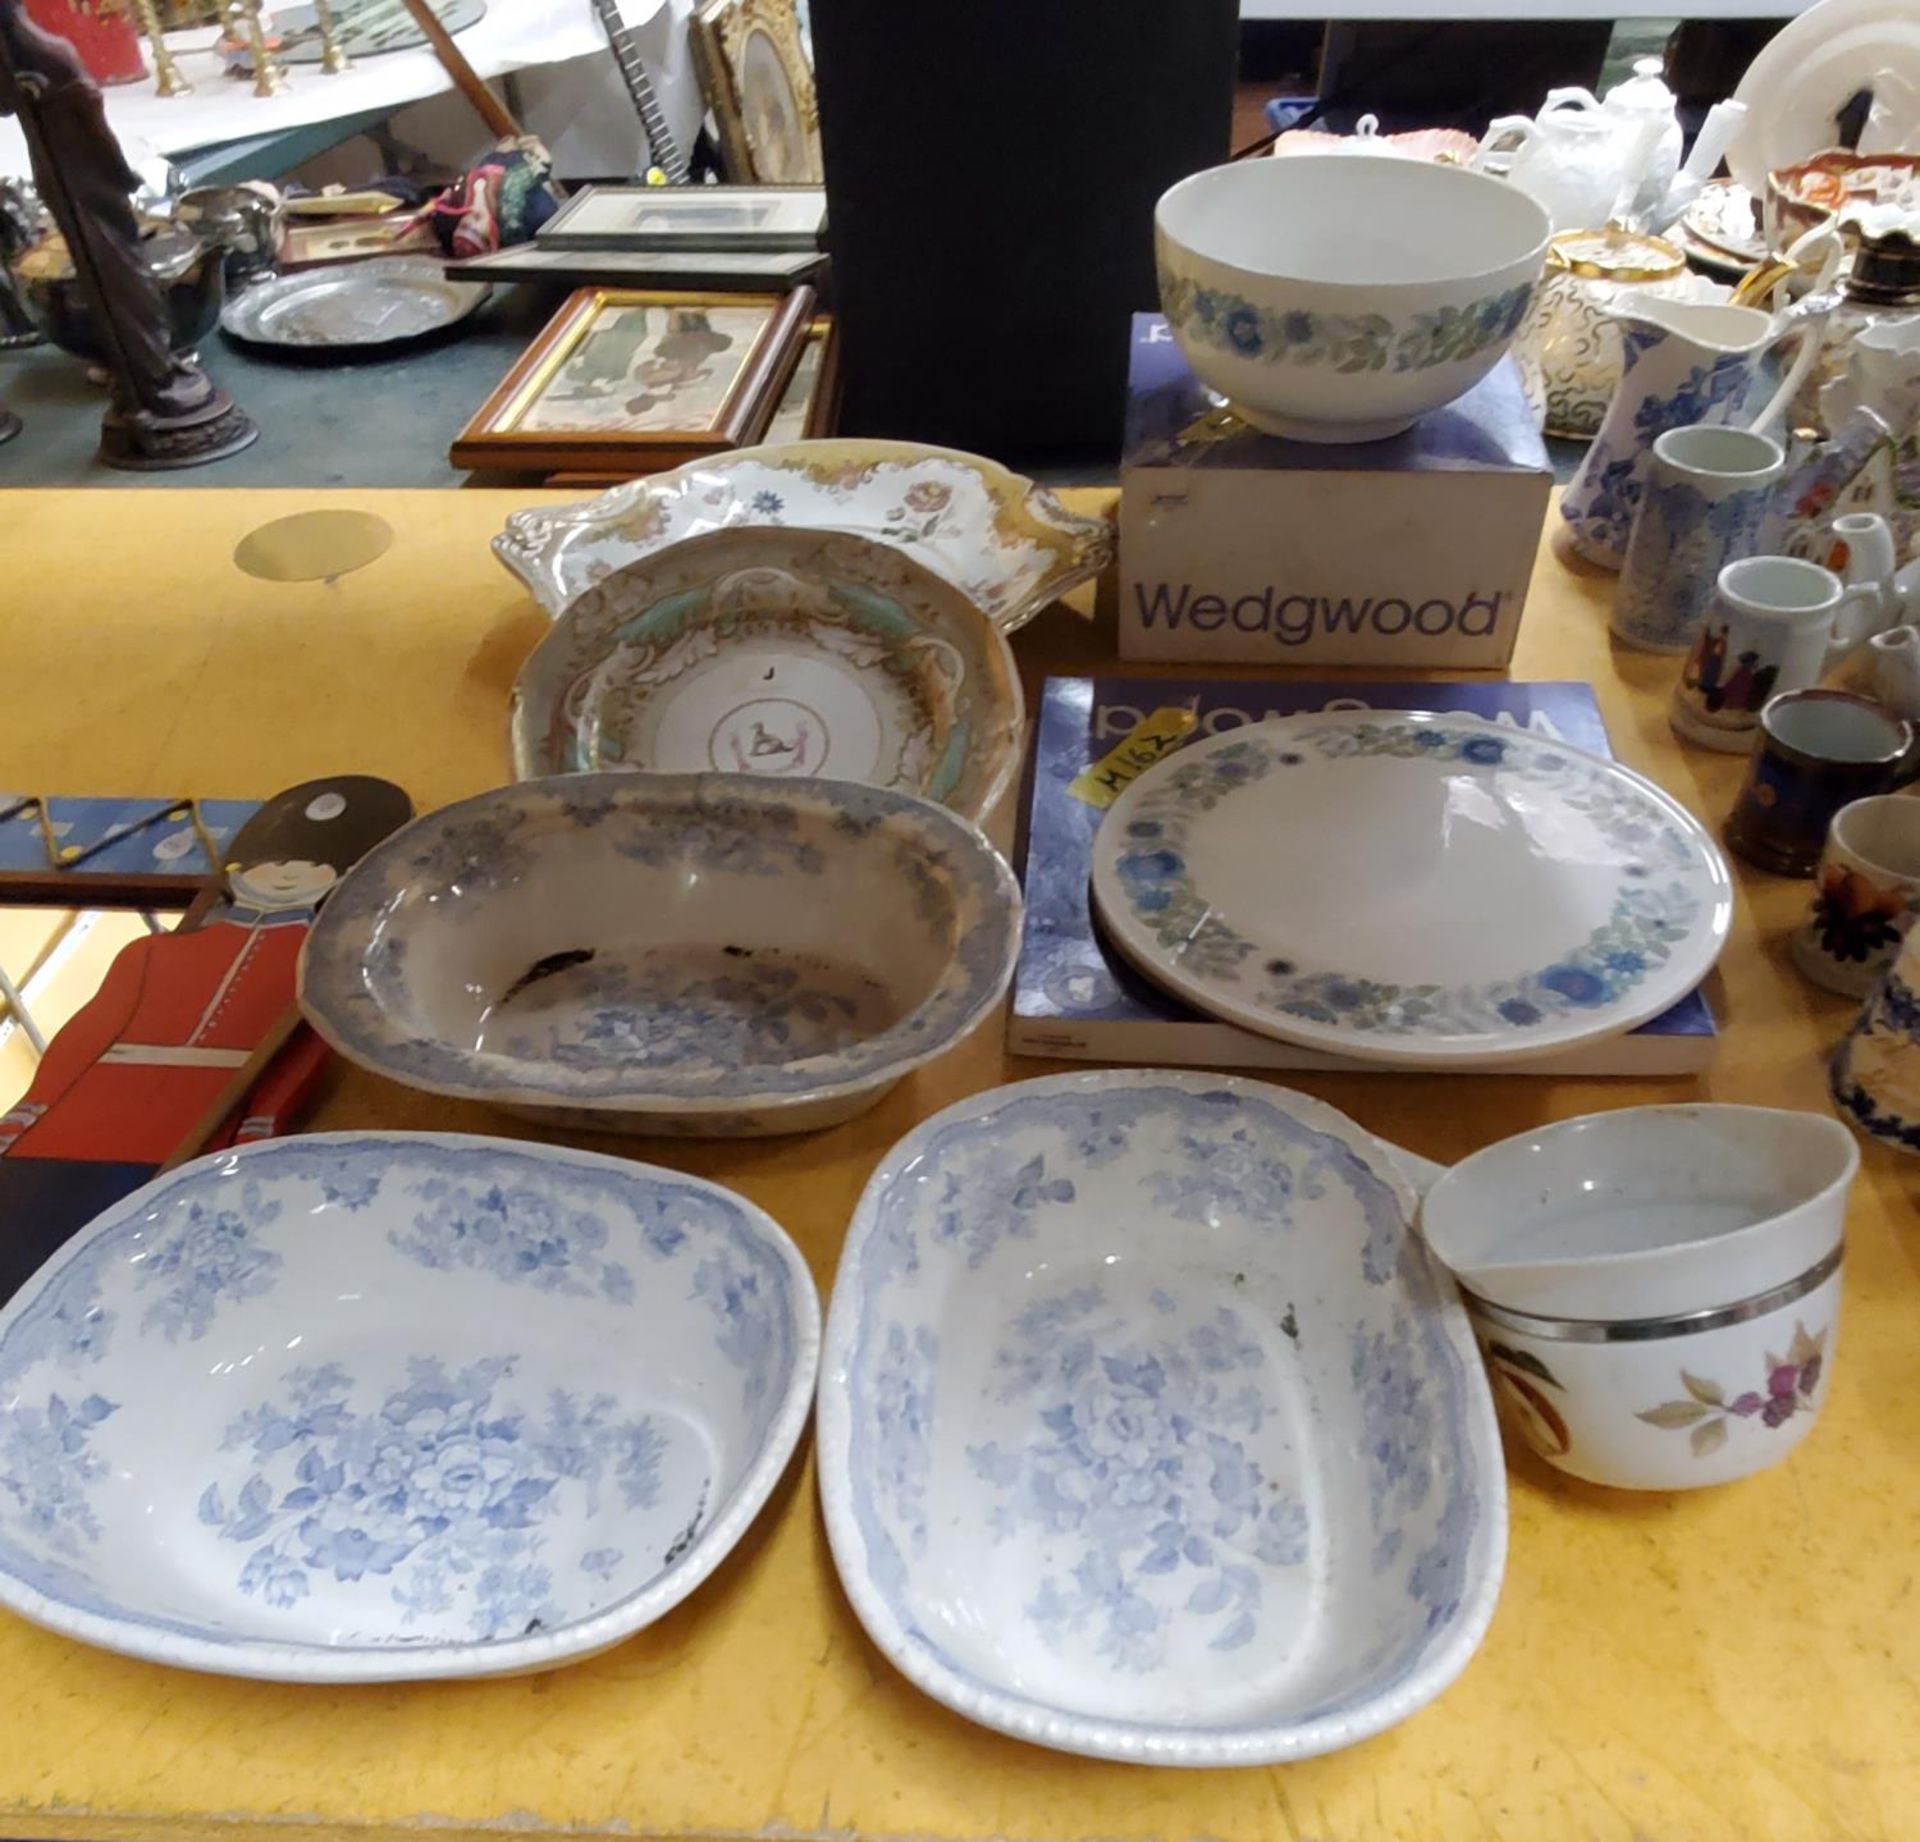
column 387, row 301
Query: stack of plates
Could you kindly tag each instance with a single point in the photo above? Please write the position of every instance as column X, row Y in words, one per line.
column 1411, row 889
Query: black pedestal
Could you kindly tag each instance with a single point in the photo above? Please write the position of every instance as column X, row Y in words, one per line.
column 991, row 175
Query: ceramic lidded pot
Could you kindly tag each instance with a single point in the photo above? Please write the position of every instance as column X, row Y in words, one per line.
column 1340, row 300
column 1655, row 1289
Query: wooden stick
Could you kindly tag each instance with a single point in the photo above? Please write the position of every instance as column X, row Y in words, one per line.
column 235, row 1091
column 491, row 109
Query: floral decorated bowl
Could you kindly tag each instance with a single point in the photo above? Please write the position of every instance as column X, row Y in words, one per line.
column 367, row 1407
column 697, row 955
column 1010, row 546
column 1655, row 1289
column 790, row 654
column 1340, row 300
column 1149, row 1431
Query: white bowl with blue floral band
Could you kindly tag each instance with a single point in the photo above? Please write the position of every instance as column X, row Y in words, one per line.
column 1147, row 1428
column 702, row 955
column 1410, row 888
column 368, row 1407
column 1339, row 300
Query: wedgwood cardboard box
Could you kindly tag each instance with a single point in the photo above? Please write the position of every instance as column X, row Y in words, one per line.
column 1241, row 547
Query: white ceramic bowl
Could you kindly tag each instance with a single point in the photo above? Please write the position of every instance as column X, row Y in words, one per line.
column 712, row 955
column 1149, row 1431
column 1655, row 1289
column 369, row 1407
column 1339, row 300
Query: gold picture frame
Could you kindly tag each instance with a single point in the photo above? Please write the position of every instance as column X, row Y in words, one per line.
column 631, row 380
column 753, row 70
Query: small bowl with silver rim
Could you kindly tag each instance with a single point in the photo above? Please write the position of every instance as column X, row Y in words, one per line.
column 1656, row 1290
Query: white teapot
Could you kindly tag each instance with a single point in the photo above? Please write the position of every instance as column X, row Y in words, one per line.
column 1568, row 158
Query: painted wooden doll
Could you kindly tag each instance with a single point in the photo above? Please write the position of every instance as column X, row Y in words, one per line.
column 138, row 1068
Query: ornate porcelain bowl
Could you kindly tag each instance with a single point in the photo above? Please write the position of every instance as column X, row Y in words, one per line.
column 1010, row 546
column 699, row 955
column 783, row 653
column 367, row 1407
column 1147, row 1428
column 1339, row 300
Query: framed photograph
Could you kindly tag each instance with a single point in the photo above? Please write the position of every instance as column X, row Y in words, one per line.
column 754, row 73
column 694, row 217
column 718, row 270
column 808, row 405
column 631, row 380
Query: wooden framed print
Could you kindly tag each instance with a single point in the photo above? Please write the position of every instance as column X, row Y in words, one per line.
column 632, row 380
column 717, row 271
column 808, row 405
column 693, row 217
column 754, row 73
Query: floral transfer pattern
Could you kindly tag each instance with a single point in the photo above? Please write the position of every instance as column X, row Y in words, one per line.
column 1857, row 920
column 1349, row 342
column 1678, row 545
column 1876, row 1071
column 437, row 1486
column 1706, row 1410
column 1653, row 910
column 1140, row 1458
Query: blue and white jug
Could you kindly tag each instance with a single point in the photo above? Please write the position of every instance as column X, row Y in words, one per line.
column 1685, row 362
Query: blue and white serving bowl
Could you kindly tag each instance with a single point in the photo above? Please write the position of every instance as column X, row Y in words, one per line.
column 1149, row 1430
column 712, row 955
column 367, row 1407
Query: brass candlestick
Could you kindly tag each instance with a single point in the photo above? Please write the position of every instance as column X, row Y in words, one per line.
column 167, row 79
column 333, row 57
column 269, row 74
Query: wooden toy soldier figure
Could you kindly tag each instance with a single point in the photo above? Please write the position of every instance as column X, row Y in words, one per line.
column 164, row 411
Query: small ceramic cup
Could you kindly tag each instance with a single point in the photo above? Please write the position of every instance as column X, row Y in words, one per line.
column 1866, row 894
column 1876, row 1073
column 1819, row 751
column 1770, row 627
column 1707, row 492
column 1655, row 1290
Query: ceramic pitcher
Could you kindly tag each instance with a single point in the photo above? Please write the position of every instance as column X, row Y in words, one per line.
column 1685, row 362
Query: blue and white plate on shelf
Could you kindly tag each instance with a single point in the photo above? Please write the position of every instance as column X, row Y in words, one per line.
column 1412, row 888
column 367, row 1407
column 1149, row 1431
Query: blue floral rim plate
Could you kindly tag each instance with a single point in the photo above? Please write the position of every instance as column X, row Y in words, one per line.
column 1149, row 1430
column 369, row 1407
column 1412, row 888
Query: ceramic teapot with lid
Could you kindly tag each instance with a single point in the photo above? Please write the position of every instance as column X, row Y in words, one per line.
column 1568, row 158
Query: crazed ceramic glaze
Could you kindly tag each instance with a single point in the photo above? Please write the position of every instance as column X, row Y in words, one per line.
column 1338, row 300
column 783, row 653
column 1410, row 888
column 702, row 955
column 363, row 1407
column 1148, row 1431
column 1010, row 546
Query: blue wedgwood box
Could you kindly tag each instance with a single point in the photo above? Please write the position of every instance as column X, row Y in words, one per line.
column 1239, row 547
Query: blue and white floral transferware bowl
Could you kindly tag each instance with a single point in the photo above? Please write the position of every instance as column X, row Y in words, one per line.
column 1341, row 300
column 711, row 955
column 1414, row 888
column 1147, row 1428
column 381, row 1406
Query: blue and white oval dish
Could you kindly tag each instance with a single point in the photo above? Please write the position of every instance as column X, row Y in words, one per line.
column 1148, row 1429
column 712, row 955
column 364, row 1407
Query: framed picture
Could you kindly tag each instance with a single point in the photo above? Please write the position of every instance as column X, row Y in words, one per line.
column 808, row 404
column 718, row 270
column 635, row 380
column 754, row 72
column 695, row 217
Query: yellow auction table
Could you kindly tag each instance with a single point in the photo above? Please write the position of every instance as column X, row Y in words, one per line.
column 1722, row 1666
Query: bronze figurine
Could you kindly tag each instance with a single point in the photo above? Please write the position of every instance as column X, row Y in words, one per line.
column 163, row 411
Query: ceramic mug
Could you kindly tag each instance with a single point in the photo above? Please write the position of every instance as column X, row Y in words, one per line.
column 1866, row 894
column 1876, row 1073
column 1774, row 623
column 1819, row 751
column 1707, row 491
